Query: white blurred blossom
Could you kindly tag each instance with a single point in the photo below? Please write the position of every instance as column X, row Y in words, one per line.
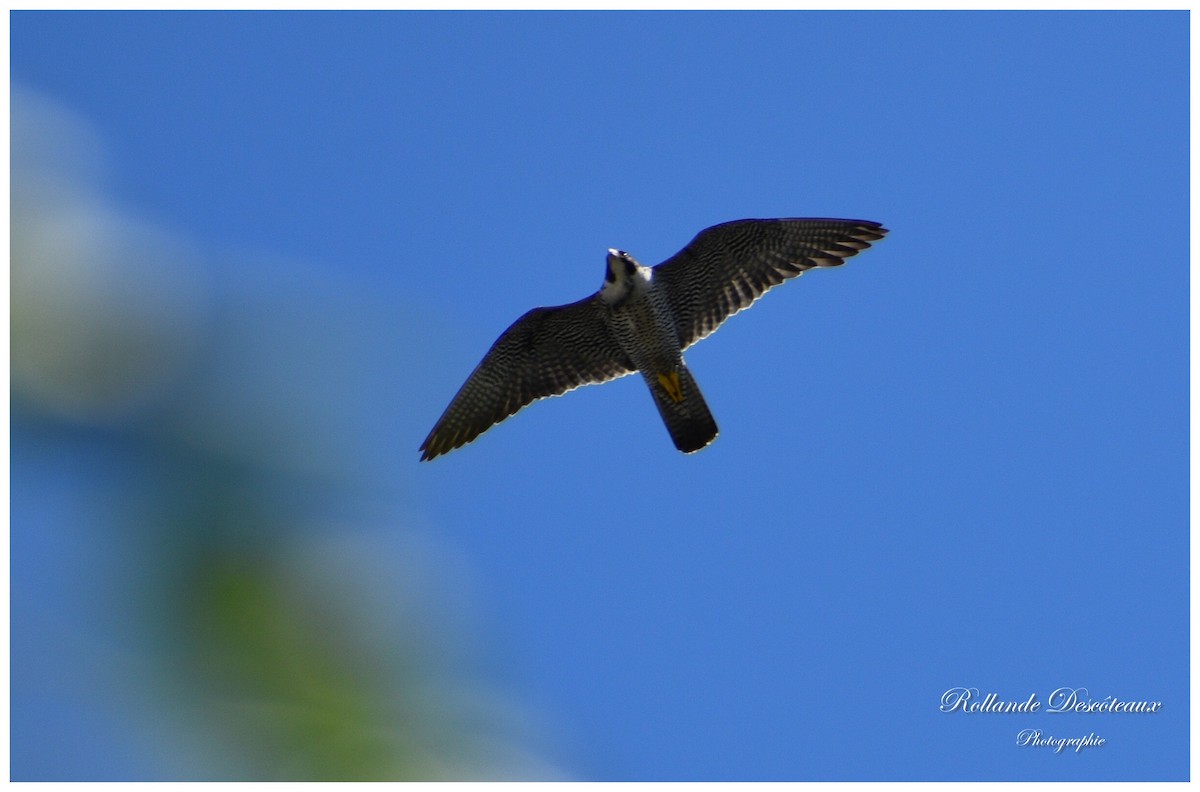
column 106, row 307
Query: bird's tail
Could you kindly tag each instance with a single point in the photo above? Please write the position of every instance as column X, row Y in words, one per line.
column 683, row 409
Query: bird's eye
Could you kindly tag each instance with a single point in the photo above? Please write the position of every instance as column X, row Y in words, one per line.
column 630, row 267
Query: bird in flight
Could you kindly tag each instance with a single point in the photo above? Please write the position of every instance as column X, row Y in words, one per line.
column 642, row 319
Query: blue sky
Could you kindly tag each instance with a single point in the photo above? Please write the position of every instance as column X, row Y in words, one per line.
column 959, row 460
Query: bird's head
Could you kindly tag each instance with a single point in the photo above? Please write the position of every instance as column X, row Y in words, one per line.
column 619, row 277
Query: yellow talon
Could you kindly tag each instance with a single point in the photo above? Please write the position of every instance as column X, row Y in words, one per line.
column 670, row 383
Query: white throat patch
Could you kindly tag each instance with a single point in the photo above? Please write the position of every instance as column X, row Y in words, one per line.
column 623, row 277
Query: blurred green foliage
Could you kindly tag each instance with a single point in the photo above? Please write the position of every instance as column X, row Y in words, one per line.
column 241, row 617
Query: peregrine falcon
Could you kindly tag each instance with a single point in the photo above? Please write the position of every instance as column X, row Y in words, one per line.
column 642, row 320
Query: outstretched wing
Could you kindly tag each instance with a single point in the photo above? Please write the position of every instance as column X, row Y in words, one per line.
column 546, row 352
column 729, row 266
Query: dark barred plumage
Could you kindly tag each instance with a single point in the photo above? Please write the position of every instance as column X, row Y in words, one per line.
column 729, row 266
column 641, row 320
column 546, row 352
